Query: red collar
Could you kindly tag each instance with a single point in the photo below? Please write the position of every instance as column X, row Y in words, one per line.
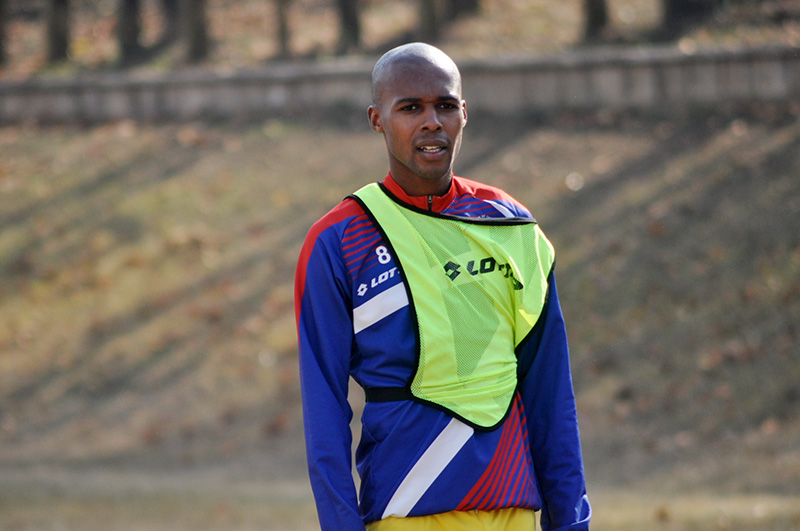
column 436, row 203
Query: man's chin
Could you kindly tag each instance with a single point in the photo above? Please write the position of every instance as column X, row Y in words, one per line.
column 435, row 177
column 435, row 174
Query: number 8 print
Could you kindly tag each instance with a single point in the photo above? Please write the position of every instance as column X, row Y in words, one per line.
column 383, row 255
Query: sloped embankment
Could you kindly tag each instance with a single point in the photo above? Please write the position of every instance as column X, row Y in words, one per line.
column 146, row 303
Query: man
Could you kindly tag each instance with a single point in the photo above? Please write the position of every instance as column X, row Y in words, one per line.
column 436, row 294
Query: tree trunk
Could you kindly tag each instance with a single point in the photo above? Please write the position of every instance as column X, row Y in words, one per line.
column 195, row 31
column 129, row 29
column 349, row 26
column 171, row 10
column 58, row 31
column 431, row 16
column 283, row 28
column 680, row 13
column 595, row 18
column 457, row 8
column 3, row 53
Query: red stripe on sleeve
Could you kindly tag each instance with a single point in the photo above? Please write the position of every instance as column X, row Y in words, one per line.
column 346, row 209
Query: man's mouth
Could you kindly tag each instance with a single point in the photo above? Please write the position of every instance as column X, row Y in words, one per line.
column 431, row 148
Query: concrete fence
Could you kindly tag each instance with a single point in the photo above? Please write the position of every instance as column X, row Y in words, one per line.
column 647, row 79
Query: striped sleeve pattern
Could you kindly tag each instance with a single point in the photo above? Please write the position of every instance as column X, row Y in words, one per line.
column 358, row 239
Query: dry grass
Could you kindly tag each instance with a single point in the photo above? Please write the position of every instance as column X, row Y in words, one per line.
column 146, row 302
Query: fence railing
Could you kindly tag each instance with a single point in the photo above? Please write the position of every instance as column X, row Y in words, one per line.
column 649, row 79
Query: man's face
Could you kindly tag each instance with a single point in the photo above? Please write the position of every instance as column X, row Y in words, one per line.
column 421, row 115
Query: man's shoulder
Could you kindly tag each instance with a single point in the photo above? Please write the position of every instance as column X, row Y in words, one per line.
column 345, row 210
column 489, row 192
column 326, row 230
column 482, row 190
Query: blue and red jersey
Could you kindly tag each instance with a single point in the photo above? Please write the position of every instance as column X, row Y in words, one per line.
column 354, row 320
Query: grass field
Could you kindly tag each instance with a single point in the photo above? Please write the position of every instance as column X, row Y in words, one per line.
column 148, row 365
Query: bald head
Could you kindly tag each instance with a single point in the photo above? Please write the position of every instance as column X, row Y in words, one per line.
column 408, row 58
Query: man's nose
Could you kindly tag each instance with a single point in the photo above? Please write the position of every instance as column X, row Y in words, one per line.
column 430, row 119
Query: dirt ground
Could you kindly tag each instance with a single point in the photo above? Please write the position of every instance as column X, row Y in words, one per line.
column 42, row 499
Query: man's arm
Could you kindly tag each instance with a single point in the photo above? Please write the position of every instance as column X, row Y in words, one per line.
column 325, row 334
column 549, row 401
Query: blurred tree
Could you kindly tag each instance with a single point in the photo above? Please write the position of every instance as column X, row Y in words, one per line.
column 128, row 31
column 349, row 26
column 282, row 7
column 595, row 19
column 431, row 17
column 171, row 20
column 678, row 14
column 434, row 15
column 2, row 32
column 58, row 31
column 195, row 32
column 457, row 8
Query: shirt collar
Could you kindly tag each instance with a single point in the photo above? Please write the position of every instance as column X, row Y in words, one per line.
column 436, row 203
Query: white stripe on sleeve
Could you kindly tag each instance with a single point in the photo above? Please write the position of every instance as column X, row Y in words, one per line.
column 501, row 208
column 378, row 307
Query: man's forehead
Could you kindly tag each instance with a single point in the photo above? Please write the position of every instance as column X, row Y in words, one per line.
column 418, row 79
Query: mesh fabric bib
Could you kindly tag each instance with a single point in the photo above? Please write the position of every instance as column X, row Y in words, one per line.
column 476, row 287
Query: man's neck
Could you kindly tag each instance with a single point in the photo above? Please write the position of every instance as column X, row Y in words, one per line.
column 435, row 202
column 425, row 187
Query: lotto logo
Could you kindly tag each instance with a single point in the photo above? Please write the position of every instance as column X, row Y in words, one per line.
column 485, row 266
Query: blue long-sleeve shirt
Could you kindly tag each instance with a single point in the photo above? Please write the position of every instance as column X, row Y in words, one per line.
column 354, row 321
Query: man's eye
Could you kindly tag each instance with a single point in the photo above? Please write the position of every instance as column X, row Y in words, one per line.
column 411, row 107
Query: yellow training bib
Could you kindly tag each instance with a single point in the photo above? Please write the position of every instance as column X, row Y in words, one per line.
column 477, row 287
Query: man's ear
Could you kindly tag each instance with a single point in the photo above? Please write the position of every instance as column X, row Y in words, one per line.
column 374, row 116
column 464, row 110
